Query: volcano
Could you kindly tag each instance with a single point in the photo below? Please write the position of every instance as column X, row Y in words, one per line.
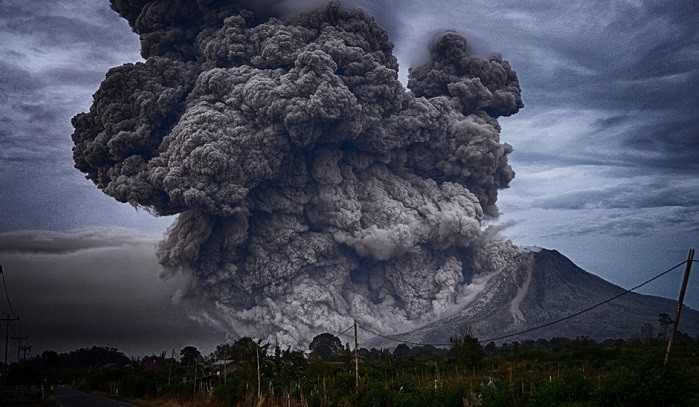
column 546, row 289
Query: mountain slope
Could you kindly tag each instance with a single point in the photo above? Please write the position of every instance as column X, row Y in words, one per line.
column 545, row 289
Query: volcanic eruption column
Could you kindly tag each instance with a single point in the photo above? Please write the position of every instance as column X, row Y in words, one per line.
column 312, row 188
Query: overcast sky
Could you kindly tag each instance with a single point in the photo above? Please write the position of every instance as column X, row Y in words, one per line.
column 606, row 154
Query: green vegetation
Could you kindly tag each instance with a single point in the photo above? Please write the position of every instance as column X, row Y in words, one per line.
column 556, row 372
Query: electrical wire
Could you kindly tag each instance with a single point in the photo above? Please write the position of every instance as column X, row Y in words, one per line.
column 348, row 328
column 538, row 326
column 2, row 310
column 401, row 340
column 586, row 309
column 7, row 296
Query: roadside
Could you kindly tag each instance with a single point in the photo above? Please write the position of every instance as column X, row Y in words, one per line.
column 68, row 397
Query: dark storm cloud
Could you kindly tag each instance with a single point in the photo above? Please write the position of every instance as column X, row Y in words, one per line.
column 32, row 116
column 52, row 57
column 626, row 45
column 73, row 76
column 53, row 30
column 62, row 203
column 650, row 195
column 638, row 63
column 669, row 141
column 46, row 241
column 555, row 159
column 15, row 80
column 646, row 224
column 62, row 24
column 31, row 126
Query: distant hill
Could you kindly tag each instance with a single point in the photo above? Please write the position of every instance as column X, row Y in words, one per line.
column 549, row 288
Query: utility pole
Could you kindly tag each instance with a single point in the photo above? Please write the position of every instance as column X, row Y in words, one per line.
column 196, row 364
column 172, row 360
column 8, row 321
column 19, row 340
column 259, row 377
column 356, row 358
column 24, row 349
column 680, row 301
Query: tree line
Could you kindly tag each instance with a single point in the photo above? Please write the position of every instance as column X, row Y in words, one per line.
column 246, row 372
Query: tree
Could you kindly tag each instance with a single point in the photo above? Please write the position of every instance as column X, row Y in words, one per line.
column 190, row 354
column 647, row 333
column 665, row 324
column 491, row 347
column 287, row 365
column 95, row 356
column 50, row 359
column 223, row 351
column 466, row 350
column 245, row 350
column 326, row 346
column 401, row 352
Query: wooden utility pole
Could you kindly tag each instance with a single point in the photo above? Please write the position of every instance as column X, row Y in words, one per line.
column 356, row 358
column 24, row 349
column 172, row 360
column 259, row 385
column 196, row 364
column 680, row 301
column 8, row 321
column 19, row 340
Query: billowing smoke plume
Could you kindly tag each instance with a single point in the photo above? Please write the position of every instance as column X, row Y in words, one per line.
column 311, row 186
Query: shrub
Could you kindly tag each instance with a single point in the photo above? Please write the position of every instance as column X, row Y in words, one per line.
column 648, row 384
column 572, row 388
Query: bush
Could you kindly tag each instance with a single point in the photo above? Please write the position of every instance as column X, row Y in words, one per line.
column 496, row 397
column 572, row 388
column 135, row 385
column 376, row 395
column 235, row 389
column 648, row 384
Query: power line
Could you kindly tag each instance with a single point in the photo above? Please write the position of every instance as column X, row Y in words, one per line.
column 8, row 321
column 2, row 311
column 401, row 340
column 348, row 328
column 7, row 296
column 542, row 325
column 586, row 309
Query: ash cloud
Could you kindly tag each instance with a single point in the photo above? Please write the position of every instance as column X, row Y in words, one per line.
column 312, row 187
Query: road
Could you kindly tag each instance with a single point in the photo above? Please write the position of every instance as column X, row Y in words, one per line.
column 68, row 397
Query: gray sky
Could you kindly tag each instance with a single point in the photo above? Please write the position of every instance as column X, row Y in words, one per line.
column 606, row 154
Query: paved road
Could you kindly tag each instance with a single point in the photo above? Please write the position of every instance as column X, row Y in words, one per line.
column 68, row 397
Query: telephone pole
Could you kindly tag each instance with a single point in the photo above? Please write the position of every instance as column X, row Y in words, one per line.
column 172, row 360
column 19, row 340
column 259, row 381
column 680, row 300
column 8, row 321
column 24, row 349
column 356, row 358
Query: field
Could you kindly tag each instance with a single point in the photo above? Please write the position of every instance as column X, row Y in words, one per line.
column 560, row 371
